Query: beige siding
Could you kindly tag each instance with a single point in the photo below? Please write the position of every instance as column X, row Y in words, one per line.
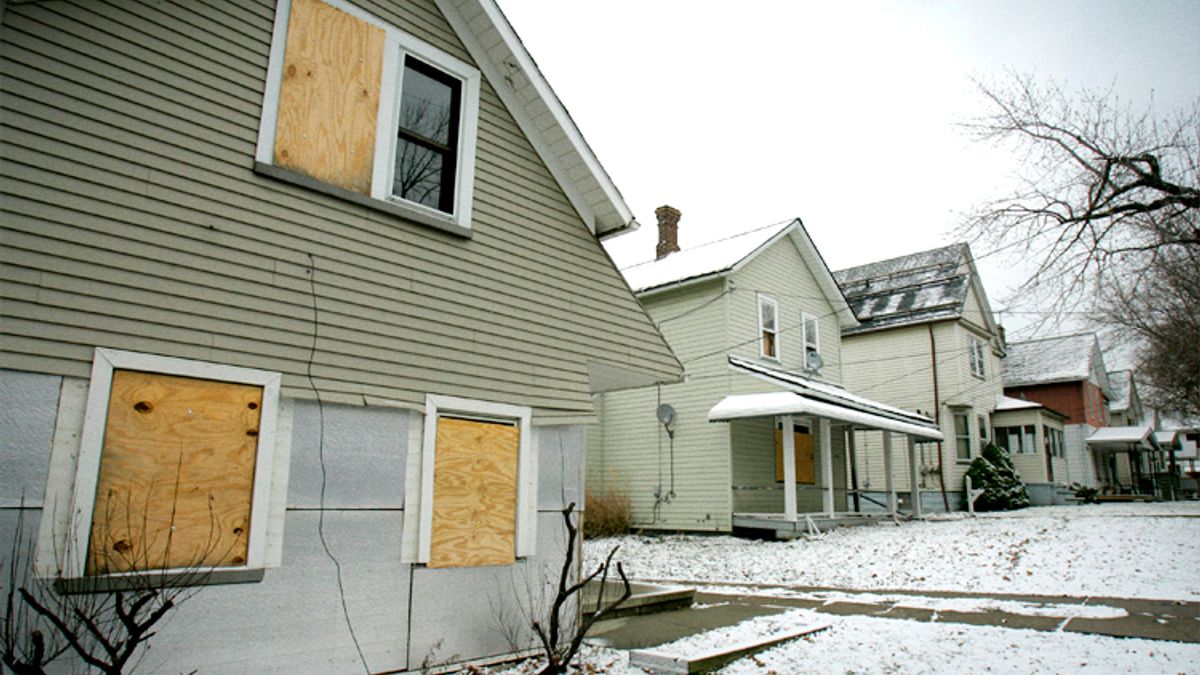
column 780, row 273
column 629, row 452
column 135, row 222
column 895, row 367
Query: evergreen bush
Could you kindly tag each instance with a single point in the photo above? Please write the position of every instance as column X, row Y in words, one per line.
column 994, row 473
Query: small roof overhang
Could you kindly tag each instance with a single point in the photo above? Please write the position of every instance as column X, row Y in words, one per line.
column 743, row 406
column 1121, row 437
column 1167, row 439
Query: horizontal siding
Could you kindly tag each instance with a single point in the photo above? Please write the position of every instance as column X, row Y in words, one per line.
column 630, row 453
column 135, row 221
column 894, row 367
column 780, row 272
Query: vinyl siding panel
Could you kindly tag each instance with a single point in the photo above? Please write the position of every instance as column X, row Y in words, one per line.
column 780, row 273
column 630, row 453
column 135, row 221
column 895, row 367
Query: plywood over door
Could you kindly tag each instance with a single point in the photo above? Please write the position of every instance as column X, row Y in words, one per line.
column 176, row 474
column 329, row 97
column 474, row 493
column 804, row 457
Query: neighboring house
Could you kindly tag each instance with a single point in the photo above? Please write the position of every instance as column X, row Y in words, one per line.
column 332, row 268
column 926, row 340
column 1125, row 407
column 1187, row 457
column 1034, row 436
column 1066, row 374
column 757, row 433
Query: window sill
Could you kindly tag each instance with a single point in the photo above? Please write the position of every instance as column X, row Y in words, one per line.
column 159, row 579
column 401, row 210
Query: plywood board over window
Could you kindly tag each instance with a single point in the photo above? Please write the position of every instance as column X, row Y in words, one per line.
column 176, row 479
column 805, row 472
column 476, row 500
column 329, row 96
column 177, row 468
column 474, row 493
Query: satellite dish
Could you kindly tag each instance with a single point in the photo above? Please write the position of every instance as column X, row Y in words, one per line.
column 665, row 414
column 813, row 362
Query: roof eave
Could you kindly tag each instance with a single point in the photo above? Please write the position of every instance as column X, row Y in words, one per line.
column 539, row 113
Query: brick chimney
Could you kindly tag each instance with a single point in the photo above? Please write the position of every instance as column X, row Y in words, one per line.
column 668, row 231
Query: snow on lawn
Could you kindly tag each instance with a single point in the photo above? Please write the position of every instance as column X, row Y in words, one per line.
column 1120, row 550
column 862, row 644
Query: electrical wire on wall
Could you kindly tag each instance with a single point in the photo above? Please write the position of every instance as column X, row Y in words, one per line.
column 312, row 354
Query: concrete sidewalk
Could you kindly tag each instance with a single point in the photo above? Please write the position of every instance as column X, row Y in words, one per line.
column 1150, row 619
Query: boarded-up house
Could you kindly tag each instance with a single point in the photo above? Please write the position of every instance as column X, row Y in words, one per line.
column 759, row 432
column 308, row 294
column 926, row 340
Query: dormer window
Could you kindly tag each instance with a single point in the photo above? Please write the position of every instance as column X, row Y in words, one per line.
column 812, row 341
column 768, row 327
column 977, row 352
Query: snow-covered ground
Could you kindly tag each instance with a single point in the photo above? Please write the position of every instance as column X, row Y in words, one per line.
column 1126, row 550
column 1120, row 550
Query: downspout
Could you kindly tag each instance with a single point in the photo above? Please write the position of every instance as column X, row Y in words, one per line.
column 937, row 416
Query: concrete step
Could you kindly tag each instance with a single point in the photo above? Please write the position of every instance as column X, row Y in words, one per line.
column 647, row 598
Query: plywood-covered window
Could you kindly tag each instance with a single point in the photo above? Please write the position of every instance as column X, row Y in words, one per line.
column 805, row 472
column 477, row 498
column 359, row 108
column 175, row 467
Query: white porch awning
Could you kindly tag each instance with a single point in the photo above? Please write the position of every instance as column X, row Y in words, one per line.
column 741, row 406
column 1122, row 437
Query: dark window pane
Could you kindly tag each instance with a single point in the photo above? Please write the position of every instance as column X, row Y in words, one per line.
column 426, row 106
column 418, row 176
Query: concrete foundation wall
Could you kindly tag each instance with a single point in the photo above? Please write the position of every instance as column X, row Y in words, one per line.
column 402, row 615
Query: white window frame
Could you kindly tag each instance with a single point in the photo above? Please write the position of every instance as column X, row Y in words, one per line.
column 966, row 416
column 763, row 301
column 397, row 45
column 72, row 560
column 978, row 366
column 526, row 516
column 813, row 340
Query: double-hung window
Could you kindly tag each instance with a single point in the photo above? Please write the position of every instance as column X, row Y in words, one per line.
column 768, row 327
column 812, row 341
column 962, row 436
column 357, row 108
column 977, row 352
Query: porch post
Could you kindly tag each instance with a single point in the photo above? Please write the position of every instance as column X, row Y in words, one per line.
column 887, row 471
column 913, row 483
column 826, row 463
column 789, row 469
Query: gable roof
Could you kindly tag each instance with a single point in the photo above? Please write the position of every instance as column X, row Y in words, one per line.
column 1064, row 358
column 911, row 289
column 515, row 76
column 715, row 259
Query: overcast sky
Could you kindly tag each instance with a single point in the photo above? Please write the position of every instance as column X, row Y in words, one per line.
column 845, row 114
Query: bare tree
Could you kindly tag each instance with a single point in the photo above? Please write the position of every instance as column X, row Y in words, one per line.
column 107, row 617
column 1107, row 208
